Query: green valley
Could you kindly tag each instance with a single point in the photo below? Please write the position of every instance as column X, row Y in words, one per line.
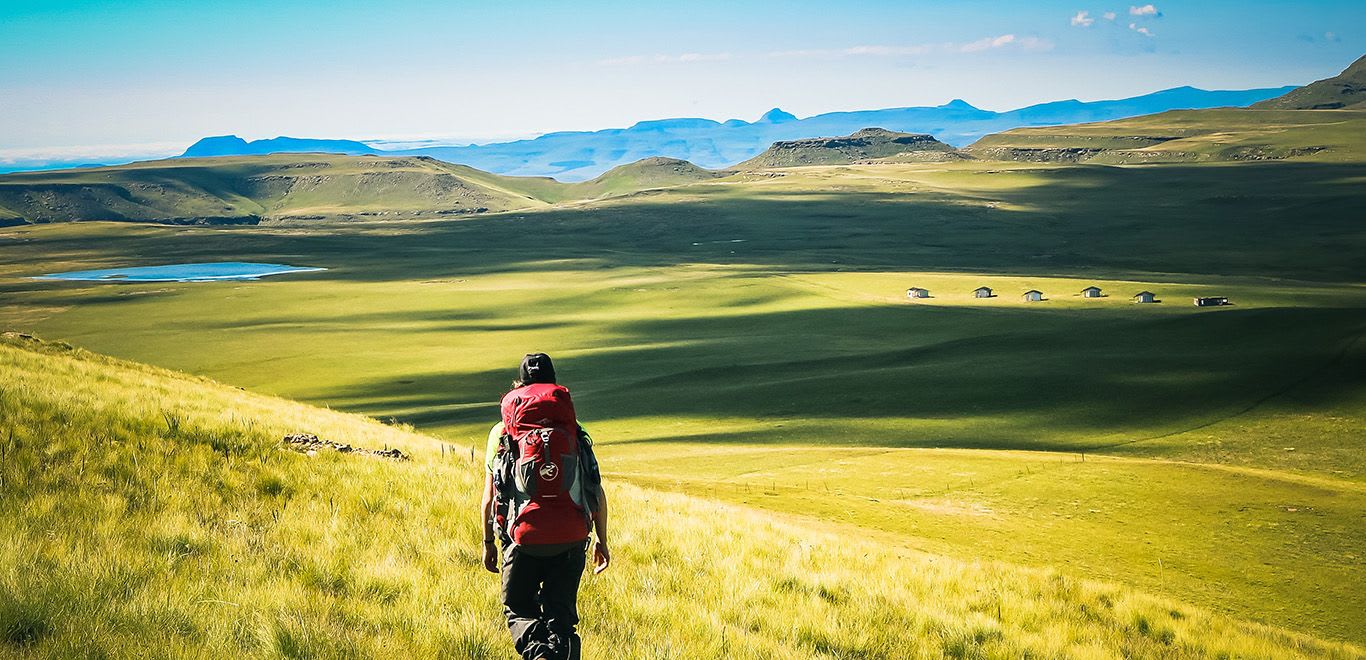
column 948, row 476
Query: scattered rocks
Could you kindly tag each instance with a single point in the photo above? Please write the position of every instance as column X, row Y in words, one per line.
column 309, row 444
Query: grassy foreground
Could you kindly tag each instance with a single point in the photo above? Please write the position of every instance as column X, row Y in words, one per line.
column 156, row 514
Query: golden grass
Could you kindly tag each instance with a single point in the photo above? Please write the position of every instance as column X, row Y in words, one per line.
column 153, row 514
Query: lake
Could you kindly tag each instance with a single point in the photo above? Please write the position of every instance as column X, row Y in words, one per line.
column 201, row 272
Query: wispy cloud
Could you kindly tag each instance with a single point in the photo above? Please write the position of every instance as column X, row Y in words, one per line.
column 681, row 58
column 98, row 153
column 980, row 45
column 1325, row 38
column 1083, row 19
column 1109, row 16
column 1141, row 30
column 987, row 43
column 1033, row 44
column 854, row 51
column 887, row 51
column 1144, row 10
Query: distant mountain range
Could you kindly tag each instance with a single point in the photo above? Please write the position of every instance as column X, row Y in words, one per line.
column 577, row 156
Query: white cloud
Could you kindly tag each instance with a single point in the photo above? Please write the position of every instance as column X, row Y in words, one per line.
column 1141, row 30
column 682, row 58
column 887, row 50
column 97, row 153
column 987, row 43
column 984, row 44
column 1145, row 10
column 1109, row 15
column 1034, row 44
column 855, row 51
column 1083, row 19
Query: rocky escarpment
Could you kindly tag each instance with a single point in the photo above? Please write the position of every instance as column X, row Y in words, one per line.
column 866, row 145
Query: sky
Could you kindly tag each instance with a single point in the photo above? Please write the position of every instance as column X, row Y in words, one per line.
column 87, row 79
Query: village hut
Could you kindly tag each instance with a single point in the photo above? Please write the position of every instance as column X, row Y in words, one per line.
column 1033, row 295
column 1091, row 292
column 983, row 292
column 1145, row 297
column 917, row 292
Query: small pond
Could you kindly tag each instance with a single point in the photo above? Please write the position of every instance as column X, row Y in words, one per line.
column 205, row 272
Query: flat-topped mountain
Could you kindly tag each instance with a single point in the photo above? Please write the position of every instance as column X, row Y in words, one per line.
column 860, row 146
column 231, row 145
column 1345, row 90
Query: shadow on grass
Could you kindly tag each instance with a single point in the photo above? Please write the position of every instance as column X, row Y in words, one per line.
column 1295, row 220
column 1028, row 381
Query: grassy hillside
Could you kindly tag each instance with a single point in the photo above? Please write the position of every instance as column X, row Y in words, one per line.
column 1345, row 90
column 248, row 189
column 864, row 145
column 1190, row 136
column 646, row 174
column 717, row 381
column 156, row 513
column 253, row 189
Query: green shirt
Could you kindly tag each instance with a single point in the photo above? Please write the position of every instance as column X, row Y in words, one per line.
column 491, row 450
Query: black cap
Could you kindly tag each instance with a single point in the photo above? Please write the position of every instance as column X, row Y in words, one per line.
column 536, row 368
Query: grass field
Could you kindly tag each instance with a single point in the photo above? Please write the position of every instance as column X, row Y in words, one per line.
column 1183, row 136
column 156, row 513
column 747, row 340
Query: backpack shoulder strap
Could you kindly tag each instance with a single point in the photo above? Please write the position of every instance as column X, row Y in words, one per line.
column 588, row 466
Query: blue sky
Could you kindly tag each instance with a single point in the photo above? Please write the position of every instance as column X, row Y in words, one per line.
column 85, row 77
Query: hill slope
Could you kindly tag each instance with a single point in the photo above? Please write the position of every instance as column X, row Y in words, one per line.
column 255, row 189
column 1189, row 136
column 1345, row 90
column 248, row 190
column 645, row 174
column 861, row 146
column 157, row 514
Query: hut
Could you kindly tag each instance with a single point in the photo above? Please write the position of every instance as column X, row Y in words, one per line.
column 1033, row 295
column 983, row 292
column 1091, row 292
column 1145, row 297
column 1211, row 301
column 917, row 292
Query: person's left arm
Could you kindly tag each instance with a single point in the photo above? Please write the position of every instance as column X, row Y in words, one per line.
column 602, row 557
column 486, row 518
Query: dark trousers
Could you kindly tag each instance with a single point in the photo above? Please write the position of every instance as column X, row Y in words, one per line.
column 540, row 599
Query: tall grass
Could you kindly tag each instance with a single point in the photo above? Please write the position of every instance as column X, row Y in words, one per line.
column 151, row 514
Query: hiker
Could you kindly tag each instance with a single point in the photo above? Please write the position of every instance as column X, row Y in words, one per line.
column 542, row 496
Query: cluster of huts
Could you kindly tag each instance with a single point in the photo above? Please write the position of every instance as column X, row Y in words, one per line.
column 1034, row 295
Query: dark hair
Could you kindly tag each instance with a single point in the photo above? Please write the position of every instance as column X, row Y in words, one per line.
column 536, row 368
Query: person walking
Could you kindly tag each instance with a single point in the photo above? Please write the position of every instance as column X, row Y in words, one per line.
column 543, row 497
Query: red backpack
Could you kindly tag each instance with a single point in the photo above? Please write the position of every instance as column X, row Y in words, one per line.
column 541, row 477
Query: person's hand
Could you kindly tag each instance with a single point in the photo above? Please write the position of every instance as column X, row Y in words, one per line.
column 490, row 556
column 602, row 557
